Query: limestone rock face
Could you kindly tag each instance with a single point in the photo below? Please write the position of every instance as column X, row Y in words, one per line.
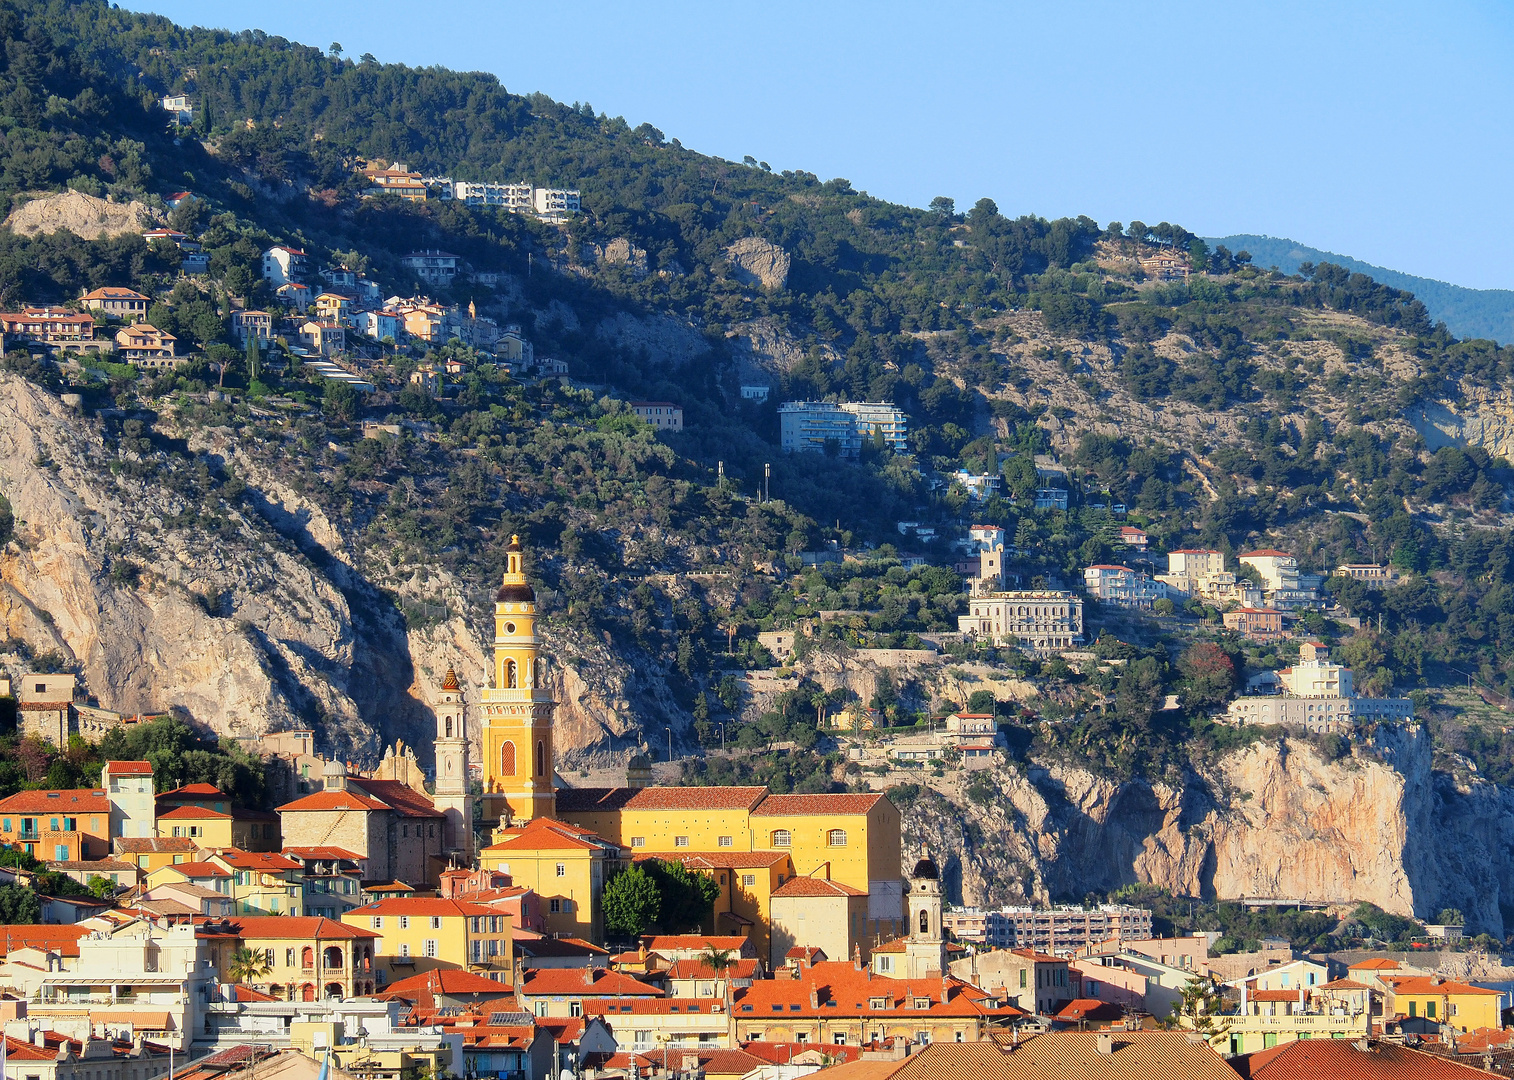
column 759, row 262
column 81, row 214
column 1272, row 820
column 1482, row 418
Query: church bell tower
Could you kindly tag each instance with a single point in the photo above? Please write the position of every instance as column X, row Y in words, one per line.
column 519, row 756
column 452, row 797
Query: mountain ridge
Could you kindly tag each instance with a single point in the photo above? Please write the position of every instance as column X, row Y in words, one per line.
column 1467, row 312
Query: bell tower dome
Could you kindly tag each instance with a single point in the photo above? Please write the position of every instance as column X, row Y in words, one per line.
column 519, row 756
column 452, row 797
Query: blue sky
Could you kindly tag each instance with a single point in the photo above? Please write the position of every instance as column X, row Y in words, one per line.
column 1380, row 131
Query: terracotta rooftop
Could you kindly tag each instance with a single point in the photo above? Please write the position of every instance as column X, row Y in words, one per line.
column 334, row 800
column 1429, row 984
column 69, row 801
column 129, row 768
column 588, row 800
column 403, row 798
column 143, row 845
column 263, row 927
column 786, row 805
column 1136, row 1055
column 698, row 969
column 193, row 813
column 809, row 886
column 585, row 982
column 1343, row 1059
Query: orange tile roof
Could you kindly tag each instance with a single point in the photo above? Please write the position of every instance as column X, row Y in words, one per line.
column 585, row 982
column 63, row 939
column 194, row 791
column 199, row 869
column 1266, row 553
column 1340, row 1059
column 781, row 1053
column 193, row 813
column 652, row 1006
column 404, row 799
column 257, row 860
column 323, row 853
column 448, row 982
column 674, row 942
column 787, row 805
column 809, row 886
column 1430, row 984
column 69, row 800
column 333, row 800
column 1377, row 963
column 129, row 768
column 313, row 928
column 423, row 906
column 723, row 860
column 547, row 834
column 1137, row 1055
column 1273, row 995
column 698, row 969
column 853, row 991
column 1090, row 1009
column 148, row 844
column 1343, row 984
column 585, row 800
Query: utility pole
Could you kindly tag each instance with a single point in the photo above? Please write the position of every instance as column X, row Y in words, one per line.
column 767, row 474
column 670, row 744
column 720, row 476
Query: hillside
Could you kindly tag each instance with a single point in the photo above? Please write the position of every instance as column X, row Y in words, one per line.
column 260, row 548
column 1472, row 313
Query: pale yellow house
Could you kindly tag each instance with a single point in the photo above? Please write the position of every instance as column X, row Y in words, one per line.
column 815, row 912
column 419, row 934
column 262, row 883
column 565, row 865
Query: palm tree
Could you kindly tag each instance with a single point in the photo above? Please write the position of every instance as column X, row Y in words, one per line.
column 720, row 961
column 247, row 964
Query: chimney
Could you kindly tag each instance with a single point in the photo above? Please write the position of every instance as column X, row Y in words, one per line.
column 1105, row 1043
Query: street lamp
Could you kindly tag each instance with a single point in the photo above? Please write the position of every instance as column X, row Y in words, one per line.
column 669, row 730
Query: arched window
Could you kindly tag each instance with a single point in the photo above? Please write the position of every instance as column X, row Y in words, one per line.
column 307, row 992
column 836, row 838
column 449, row 727
column 333, row 958
column 782, row 838
column 924, row 921
column 541, row 758
column 507, row 759
column 536, row 675
column 510, row 676
column 307, row 959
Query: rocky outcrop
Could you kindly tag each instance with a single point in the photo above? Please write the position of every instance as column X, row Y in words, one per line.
column 1275, row 820
column 619, row 252
column 1482, row 418
column 81, row 214
column 755, row 261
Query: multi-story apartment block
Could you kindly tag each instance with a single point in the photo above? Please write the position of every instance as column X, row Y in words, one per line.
column 1200, row 572
column 396, row 181
column 1064, row 927
column 1041, row 619
column 555, row 202
column 813, row 425
column 1122, row 586
column 49, row 326
column 419, row 934
column 660, row 414
column 432, row 267
column 1279, row 570
column 128, row 787
column 283, row 265
column 513, row 197
column 62, row 826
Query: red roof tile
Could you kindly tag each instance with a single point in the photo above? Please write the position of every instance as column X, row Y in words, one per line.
column 405, row 800
column 423, row 906
column 1430, row 984
column 785, row 805
column 809, row 886
column 261, row 927
column 334, row 800
column 194, row 791
column 70, row 800
column 129, row 768
column 323, row 854
column 698, row 969
column 1342, row 1059
column 193, row 813
column 586, row 800
column 584, row 982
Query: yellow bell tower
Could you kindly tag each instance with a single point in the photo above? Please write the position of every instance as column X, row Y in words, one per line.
column 517, row 710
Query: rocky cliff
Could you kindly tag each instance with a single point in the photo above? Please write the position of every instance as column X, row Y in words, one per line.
column 1273, row 820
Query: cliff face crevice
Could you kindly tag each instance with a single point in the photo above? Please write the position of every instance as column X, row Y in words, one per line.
column 1274, row 820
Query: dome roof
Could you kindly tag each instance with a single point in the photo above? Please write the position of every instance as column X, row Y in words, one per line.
column 925, row 868
column 450, row 682
column 515, row 593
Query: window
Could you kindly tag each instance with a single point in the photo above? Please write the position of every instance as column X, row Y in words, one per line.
column 562, row 870
column 885, row 963
column 541, row 758
column 554, row 906
column 289, row 958
column 724, row 841
column 378, row 922
column 507, row 759
column 636, row 841
column 404, row 949
column 575, row 1007
column 404, row 922
column 959, row 1036
column 680, row 841
column 1022, row 978
column 436, row 922
column 1430, row 1010
column 836, row 838
column 748, row 880
column 431, row 947
column 782, row 838
column 839, row 1038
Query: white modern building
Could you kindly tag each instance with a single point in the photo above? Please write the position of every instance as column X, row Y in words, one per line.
column 1122, row 586
column 807, row 426
column 554, row 202
column 283, row 265
column 513, row 197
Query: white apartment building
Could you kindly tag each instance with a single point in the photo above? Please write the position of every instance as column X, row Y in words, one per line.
column 283, row 265
column 1064, row 927
column 807, row 426
column 513, row 197
column 133, row 808
column 663, row 415
column 1201, row 572
column 1040, row 619
column 552, row 202
column 1318, row 696
column 432, row 267
column 1122, row 586
column 1279, row 570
